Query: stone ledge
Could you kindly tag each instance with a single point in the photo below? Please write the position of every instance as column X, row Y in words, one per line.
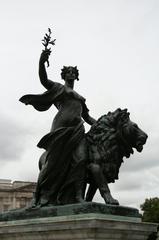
column 111, row 211
column 82, row 227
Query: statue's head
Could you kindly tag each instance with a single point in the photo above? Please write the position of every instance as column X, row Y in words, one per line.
column 69, row 73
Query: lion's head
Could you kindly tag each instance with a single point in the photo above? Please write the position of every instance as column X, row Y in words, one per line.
column 113, row 137
column 129, row 134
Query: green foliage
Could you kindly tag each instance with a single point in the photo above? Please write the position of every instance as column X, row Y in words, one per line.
column 150, row 210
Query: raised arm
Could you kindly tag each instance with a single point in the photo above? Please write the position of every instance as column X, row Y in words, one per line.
column 42, row 69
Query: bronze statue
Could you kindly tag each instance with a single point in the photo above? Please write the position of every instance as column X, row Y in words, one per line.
column 72, row 158
column 63, row 164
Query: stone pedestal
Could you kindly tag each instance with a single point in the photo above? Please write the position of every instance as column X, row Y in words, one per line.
column 81, row 224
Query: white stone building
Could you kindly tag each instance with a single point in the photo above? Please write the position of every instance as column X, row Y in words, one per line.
column 17, row 194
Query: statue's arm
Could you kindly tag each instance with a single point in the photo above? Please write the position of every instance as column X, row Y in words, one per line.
column 42, row 70
column 87, row 118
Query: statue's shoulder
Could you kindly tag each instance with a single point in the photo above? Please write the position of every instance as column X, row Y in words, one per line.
column 56, row 88
column 56, row 85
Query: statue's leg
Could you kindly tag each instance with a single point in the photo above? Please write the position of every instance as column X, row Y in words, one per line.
column 79, row 159
column 42, row 160
column 37, row 199
column 101, row 182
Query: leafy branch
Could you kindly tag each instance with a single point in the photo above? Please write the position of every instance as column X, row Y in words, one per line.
column 47, row 40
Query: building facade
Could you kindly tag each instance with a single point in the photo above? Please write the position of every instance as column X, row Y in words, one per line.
column 17, row 194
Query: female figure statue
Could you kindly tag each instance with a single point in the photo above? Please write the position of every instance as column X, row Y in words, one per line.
column 63, row 164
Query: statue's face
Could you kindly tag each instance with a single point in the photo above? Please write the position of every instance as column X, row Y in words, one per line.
column 70, row 74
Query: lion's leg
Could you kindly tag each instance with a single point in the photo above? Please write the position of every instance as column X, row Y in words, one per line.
column 108, row 198
column 102, row 183
column 91, row 191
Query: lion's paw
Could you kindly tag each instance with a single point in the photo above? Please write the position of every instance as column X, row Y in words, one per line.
column 109, row 199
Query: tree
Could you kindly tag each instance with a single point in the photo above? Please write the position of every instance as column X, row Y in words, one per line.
column 150, row 210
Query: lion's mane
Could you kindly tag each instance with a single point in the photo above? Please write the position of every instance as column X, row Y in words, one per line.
column 106, row 144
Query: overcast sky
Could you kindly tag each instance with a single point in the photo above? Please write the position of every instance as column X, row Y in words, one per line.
column 115, row 44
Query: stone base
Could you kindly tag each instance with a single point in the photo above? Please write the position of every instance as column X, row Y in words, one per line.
column 80, row 227
column 111, row 211
column 88, row 221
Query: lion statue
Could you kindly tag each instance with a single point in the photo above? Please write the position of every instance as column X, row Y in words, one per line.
column 110, row 139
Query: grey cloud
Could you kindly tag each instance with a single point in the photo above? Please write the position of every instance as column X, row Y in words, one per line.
column 136, row 181
column 140, row 163
column 12, row 140
column 128, row 181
